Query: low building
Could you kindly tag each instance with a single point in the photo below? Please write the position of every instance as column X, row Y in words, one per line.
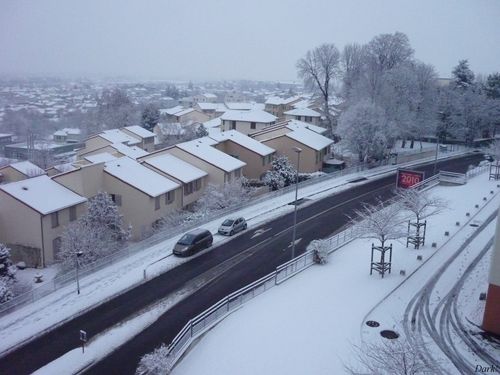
column 5, row 139
column 146, row 138
column 142, row 195
column 44, row 151
column 287, row 136
column 19, row 171
column 192, row 179
column 202, row 154
column 257, row 156
column 303, row 114
column 211, row 109
column 247, row 122
column 33, row 217
column 278, row 106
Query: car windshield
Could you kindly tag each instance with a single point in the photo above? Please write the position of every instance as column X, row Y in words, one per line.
column 228, row 223
column 187, row 239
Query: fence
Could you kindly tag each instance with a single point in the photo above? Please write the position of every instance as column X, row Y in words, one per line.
column 211, row 316
column 69, row 277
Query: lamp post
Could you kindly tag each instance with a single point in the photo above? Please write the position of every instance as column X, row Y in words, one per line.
column 298, row 151
column 78, row 255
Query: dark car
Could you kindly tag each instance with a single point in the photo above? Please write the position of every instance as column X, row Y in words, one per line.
column 192, row 242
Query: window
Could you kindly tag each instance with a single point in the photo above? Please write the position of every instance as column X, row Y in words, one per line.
column 157, row 203
column 264, row 158
column 252, row 125
column 299, row 118
column 56, row 245
column 169, row 197
column 233, row 125
column 117, row 198
column 308, row 119
column 54, row 217
column 237, row 173
column 197, row 185
column 188, row 188
column 72, row 213
column 317, row 157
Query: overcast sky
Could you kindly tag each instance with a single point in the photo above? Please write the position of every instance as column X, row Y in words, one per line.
column 232, row 39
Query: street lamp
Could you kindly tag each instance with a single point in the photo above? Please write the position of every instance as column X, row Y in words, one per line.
column 298, row 151
column 78, row 255
column 436, row 157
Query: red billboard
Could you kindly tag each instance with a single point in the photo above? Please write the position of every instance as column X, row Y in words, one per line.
column 407, row 178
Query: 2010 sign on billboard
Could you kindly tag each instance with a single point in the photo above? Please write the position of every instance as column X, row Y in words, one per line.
column 407, row 178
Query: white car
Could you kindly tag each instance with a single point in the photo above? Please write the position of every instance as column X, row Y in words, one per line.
column 232, row 226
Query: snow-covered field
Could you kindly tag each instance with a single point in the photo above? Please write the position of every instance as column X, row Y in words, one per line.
column 309, row 324
column 61, row 305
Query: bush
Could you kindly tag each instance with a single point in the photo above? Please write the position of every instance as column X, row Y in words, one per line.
column 320, row 250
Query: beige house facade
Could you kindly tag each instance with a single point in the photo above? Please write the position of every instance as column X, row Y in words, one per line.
column 247, row 122
column 19, row 171
column 34, row 215
column 257, row 156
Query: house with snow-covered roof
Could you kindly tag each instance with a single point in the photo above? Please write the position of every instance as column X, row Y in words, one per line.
column 211, row 109
column 202, row 154
column 185, row 115
column 142, row 195
column 256, row 155
column 192, row 179
column 307, row 115
column 19, row 171
column 285, row 136
column 146, row 138
column 277, row 105
column 34, row 214
column 247, row 122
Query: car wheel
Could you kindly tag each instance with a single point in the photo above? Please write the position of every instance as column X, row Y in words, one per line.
column 245, row 227
column 231, row 233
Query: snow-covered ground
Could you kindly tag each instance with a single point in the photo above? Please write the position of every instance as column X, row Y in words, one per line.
column 309, row 324
column 63, row 304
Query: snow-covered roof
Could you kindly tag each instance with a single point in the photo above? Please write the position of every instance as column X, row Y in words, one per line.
column 100, row 158
column 27, row 168
column 60, row 133
column 43, row 194
column 172, row 111
column 209, row 95
column 133, row 152
column 139, row 176
column 302, row 104
column 213, row 123
column 274, row 100
column 176, row 168
column 239, row 106
column 72, row 131
column 241, row 139
column 65, row 167
column 293, row 124
column 309, row 138
column 202, row 148
column 185, row 112
column 303, row 112
column 255, row 115
column 140, row 131
column 5, row 135
column 117, row 136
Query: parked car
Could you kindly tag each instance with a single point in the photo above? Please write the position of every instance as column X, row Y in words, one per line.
column 232, row 226
column 193, row 241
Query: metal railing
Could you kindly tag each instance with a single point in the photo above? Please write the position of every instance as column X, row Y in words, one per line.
column 211, row 316
column 70, row 276
column 452, row 177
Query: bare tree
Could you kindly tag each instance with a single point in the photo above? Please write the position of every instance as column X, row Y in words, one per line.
column 353, row 60
column 319, row 68
column 380, row 222
column 421, row 204
column 365, row 131
column 390, row 50
column 389, row 357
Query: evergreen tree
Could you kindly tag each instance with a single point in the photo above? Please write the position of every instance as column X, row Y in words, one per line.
column 201, row 131
column 7, row 270
column 463, row 77
column 150, row 117
column 493, row 86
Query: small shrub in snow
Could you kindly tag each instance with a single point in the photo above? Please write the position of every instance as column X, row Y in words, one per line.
column 6, row 293
column 283, row 173
column 155, row 363
column 7, row 270
column 320, row 250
